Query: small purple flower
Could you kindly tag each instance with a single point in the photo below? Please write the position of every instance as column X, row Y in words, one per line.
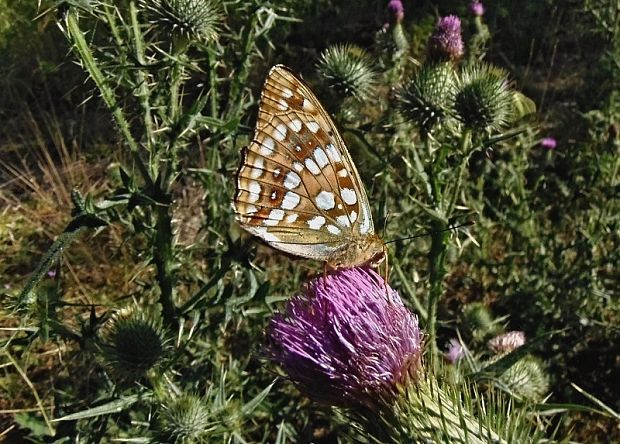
column 347, row 339
column 476, row 8
column 446, row 43
column 51, row 273
column 548, row 142
column 397, row 10
column 507, row 342
column 455, row 352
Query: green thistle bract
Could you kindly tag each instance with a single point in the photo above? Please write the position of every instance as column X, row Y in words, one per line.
column 484, row 99
column 426, row 99
column 347, row 70
column 185, row 419
column 133, row 341
column 200, row 19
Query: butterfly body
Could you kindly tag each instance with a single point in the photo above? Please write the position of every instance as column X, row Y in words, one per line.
column 297, row 187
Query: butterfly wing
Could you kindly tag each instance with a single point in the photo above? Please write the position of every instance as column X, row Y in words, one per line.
column 297, row 187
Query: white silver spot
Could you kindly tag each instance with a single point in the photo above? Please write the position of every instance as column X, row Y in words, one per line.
column 325, row 200
column 292, row 180
column 313, row 126
column 280, row 132
column 282, row 104
column 340, row 206
column 276, row 172
column 348, row 195
column 298, row 148
column 307, row 105
column 312, row 166
column 333, row 229
column 291, row 200
column 343, row 173
column 266, row 148
column 298, row 166
column 343, row 221
column 353, row 216
column 366, row 224
column 320, row 157
column 275, row 216
column 333, row 153
column 291, row 218
column 255, row 190
column 287, row 93
column 257, row 171
column 316, row 222
column 251, row 209
column 295, row 125
column 274, row 195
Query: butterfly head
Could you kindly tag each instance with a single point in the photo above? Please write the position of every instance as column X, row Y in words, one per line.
column 362, row 250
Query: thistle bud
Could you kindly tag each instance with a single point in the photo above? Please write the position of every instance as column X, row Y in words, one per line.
column 199, row 19
column 132, row 342
column 527, row 379
column 427, row 98
column 479, row 320
column 484, row 100
column 185, row 419
column 347, row 70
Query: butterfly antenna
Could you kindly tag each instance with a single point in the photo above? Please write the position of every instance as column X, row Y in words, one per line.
column 427, row 233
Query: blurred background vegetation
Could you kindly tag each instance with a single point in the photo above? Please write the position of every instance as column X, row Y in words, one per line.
column 548, row 220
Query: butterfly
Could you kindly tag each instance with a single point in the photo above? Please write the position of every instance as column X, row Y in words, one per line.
column 297, row 187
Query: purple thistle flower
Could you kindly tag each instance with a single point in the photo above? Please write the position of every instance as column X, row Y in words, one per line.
column 397, row 10
column 347, row 339
column 446, row 43
column 548, row 142
column 507, row 342
column 476, row 8
column 455, row 352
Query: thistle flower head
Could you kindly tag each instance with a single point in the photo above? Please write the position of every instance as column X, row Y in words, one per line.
column 133, row 341
column 484, row 99
column 397, row 10
column 347, row 339
column 476, row 8
column 427, row 97
column 446, row 42
column 549, row 142
column 200, row 19
column 185, row 419
column 507, row 342
column 455, row 351
column 347, row 70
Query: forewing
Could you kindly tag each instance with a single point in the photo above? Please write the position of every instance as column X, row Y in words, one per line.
column 297, row 187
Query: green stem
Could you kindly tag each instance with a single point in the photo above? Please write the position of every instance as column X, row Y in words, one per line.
column 143, row 89
column 107, row 94
column 163, row 257
column 464, row 149
column 437, row 254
